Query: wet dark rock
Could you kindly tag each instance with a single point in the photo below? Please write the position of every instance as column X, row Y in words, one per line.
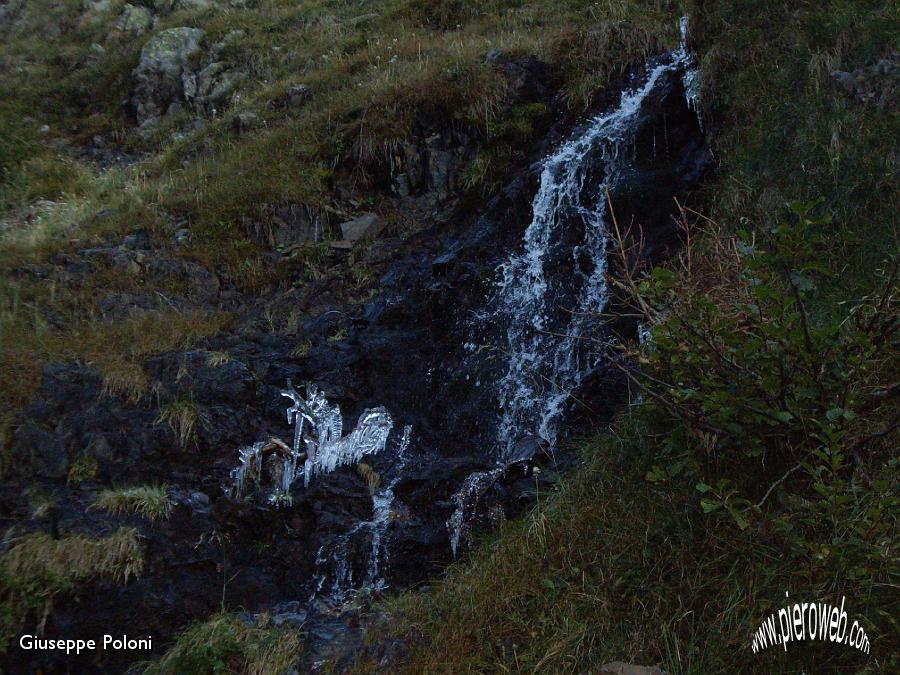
column 289, row 225
column 401, row 348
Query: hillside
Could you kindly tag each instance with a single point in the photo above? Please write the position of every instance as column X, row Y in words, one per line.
column 597, row 309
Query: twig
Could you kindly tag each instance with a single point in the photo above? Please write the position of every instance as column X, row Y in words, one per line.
column 777, row 483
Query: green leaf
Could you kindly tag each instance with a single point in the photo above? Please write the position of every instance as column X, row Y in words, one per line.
column 708, row 505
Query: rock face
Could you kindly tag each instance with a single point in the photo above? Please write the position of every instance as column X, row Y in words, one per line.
column 877, row 84
column 165, row 61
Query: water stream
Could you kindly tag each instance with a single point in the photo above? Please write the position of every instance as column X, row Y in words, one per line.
column 549, row 344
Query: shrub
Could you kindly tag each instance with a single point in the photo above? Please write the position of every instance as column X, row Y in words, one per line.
column 765, row 400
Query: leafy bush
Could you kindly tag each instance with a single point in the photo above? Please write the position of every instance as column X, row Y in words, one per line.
column 766, row 400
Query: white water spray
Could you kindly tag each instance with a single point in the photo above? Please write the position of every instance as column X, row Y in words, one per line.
column 548, row 350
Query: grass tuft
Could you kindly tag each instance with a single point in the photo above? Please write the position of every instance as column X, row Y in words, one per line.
column 181, row 417
column 150, row 502
column 225, row 644
column 38, row 567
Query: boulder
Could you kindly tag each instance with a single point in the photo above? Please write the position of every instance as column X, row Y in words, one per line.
column 159, row 76
column 245, row 120
column 212, row 87
column 135, row 19
column 365, row 225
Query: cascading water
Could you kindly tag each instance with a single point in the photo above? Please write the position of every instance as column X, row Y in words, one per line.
column 333, row 559
column 550, row 315
column 319, row 444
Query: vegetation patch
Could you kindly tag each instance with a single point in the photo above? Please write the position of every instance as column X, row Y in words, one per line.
column 224, row 644
column 150, row 502
column 37, row 568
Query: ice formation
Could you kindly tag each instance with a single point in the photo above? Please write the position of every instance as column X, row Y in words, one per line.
column 318, row 445
column 333, row 560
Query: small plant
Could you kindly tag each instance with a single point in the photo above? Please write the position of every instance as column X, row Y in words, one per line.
column 368, row 474
column 150, row 502
column 82, row 470
column 181, row 417
column 281, row 500
column 302, row 349
column 338, row 335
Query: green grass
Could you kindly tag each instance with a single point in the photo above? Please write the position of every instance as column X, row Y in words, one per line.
column 223, row 644
column 785, row 132
column 148, row 501
column 37, row 568
column 611, row 567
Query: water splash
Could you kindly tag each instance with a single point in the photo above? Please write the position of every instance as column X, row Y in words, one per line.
column 549, row 315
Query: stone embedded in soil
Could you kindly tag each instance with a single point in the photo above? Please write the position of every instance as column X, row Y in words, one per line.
column 366, row 225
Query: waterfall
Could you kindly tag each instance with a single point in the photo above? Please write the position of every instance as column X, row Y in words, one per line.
column 333, row 559
column 549, row 314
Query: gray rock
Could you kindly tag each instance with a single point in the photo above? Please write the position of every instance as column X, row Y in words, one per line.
column 298, row 95
column 97, row 6
column 365, row 225
column 159, row 76
column 494, row 55
column 182, row 237
column 212, row 88
column 135, row 19
column 245, row 121
column 844, row 80
column 289, row 613
column 440, row 169
column 166, row 6
column 401, row 185
column 291, row 225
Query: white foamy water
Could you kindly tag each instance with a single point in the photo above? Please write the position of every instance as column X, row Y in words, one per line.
column 548, row 345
